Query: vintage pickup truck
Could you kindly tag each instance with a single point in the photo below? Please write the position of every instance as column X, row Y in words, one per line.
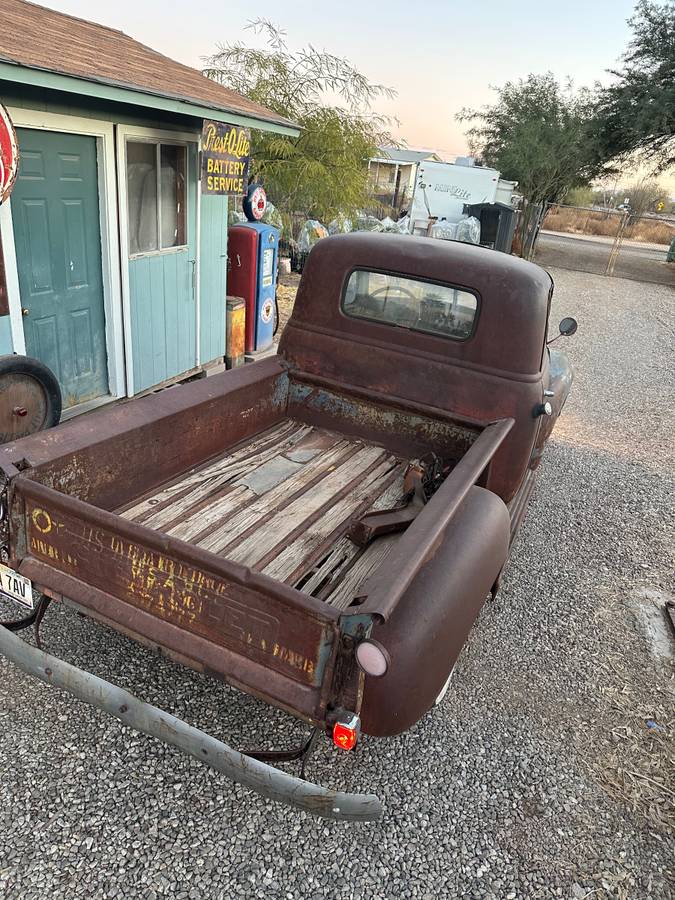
column 319, row 529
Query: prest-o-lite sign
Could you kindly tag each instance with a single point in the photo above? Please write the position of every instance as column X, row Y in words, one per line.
column 9, row 155
column 226, row 153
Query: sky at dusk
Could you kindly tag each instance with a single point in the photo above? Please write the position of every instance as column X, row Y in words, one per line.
column 438, row 56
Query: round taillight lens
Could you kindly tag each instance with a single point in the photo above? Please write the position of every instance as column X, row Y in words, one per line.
column 373, row 658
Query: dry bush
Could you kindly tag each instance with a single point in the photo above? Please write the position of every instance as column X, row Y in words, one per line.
column 583, row 221
column 604, row 226
column 651, row 231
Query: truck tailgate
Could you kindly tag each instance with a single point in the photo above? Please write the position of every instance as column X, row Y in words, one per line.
column 214, row 614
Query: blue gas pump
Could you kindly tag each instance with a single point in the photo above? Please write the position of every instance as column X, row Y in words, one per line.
column 253, row 249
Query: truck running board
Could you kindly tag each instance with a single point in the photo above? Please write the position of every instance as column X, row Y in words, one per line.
column 260, row 777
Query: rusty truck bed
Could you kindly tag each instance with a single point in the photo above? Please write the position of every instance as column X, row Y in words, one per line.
column 280, row 503
column 211, row 521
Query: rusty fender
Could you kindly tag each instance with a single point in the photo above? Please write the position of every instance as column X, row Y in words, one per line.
column 260, row 777
column 432, row 620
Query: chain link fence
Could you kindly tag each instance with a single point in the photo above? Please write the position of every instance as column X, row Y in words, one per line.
column 606, row 242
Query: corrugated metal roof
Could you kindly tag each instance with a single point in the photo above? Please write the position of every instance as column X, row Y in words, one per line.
column 41, row 38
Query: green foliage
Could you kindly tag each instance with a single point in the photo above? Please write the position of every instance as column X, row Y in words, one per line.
column 323, row 173
column 636, row 114
column 537, row 133
column 581, row 196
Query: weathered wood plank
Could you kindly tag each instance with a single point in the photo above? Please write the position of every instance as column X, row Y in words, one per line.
column 217, row 539
column 320, row 534
column 176, row 499
column 280, row 527
column 332, row 568
column 201, row 520
column 208, row 516
column 151, row 503
column 371, row 558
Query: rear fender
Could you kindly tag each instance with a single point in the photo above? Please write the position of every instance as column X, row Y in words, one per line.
column 429, row 626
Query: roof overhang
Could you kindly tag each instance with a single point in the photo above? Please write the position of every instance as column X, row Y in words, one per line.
column 121, row 93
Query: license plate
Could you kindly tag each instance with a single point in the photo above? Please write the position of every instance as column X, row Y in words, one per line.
column 16, row 587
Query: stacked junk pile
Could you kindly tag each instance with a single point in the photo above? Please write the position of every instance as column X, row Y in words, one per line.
column 312, row 231
column 457, row 201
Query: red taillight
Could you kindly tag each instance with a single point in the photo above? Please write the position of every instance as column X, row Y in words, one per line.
column 346, row 732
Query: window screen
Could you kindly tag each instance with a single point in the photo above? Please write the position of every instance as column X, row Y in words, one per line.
column 409, row 303
column 155, row 222
column 142, row 196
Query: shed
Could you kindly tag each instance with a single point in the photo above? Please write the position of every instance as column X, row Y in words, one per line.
column 393, row 172
column 113, row 265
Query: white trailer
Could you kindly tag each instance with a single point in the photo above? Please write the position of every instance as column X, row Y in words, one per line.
column 442, row 190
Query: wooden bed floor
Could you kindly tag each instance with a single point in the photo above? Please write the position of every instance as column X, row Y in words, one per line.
column 281, row 504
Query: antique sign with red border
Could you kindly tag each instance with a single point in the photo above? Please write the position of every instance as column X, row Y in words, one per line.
column 9, row 155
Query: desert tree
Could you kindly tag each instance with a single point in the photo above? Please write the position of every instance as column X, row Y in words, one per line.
column 324, row 172
column 538, row 133
column 635, row 116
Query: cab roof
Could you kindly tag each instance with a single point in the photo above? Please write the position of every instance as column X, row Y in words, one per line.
column 513, row 297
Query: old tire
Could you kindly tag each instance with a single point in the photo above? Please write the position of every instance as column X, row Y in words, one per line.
column 30, row 397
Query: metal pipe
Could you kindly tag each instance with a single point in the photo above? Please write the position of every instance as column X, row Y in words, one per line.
column 261, row 778
column 387, row 585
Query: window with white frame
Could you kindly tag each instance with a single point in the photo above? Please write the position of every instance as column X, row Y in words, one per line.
column 156, row 196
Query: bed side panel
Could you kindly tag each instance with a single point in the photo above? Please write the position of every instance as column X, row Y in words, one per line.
column 112, row 456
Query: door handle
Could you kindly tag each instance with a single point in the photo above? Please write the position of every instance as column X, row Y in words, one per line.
column 25, row 311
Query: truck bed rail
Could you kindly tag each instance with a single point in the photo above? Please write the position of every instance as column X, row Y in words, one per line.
column 388, row 584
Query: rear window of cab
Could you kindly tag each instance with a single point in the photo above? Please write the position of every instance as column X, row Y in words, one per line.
column 403, row 302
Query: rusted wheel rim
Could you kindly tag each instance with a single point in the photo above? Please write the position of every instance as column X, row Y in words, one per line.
column 24, row 408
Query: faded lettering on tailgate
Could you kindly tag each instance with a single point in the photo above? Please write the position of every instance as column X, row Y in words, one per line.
column 227, row 614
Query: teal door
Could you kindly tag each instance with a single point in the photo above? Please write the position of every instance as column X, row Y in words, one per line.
column 57, row 233
column 212, row 276
column 161, row 188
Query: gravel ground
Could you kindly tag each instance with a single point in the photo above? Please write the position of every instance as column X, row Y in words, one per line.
column 536, row 777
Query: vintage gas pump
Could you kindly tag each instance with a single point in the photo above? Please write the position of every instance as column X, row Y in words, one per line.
column 252, row 250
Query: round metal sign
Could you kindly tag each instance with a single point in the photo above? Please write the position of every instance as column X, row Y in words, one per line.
column 266, row 311
column 255, row 203
column 9, row 155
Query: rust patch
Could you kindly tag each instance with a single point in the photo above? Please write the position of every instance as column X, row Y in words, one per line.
column 159, row 583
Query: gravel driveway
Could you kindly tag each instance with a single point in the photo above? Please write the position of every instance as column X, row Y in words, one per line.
column 538, row 775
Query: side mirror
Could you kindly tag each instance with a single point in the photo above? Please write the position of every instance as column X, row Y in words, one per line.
column 567, row 326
